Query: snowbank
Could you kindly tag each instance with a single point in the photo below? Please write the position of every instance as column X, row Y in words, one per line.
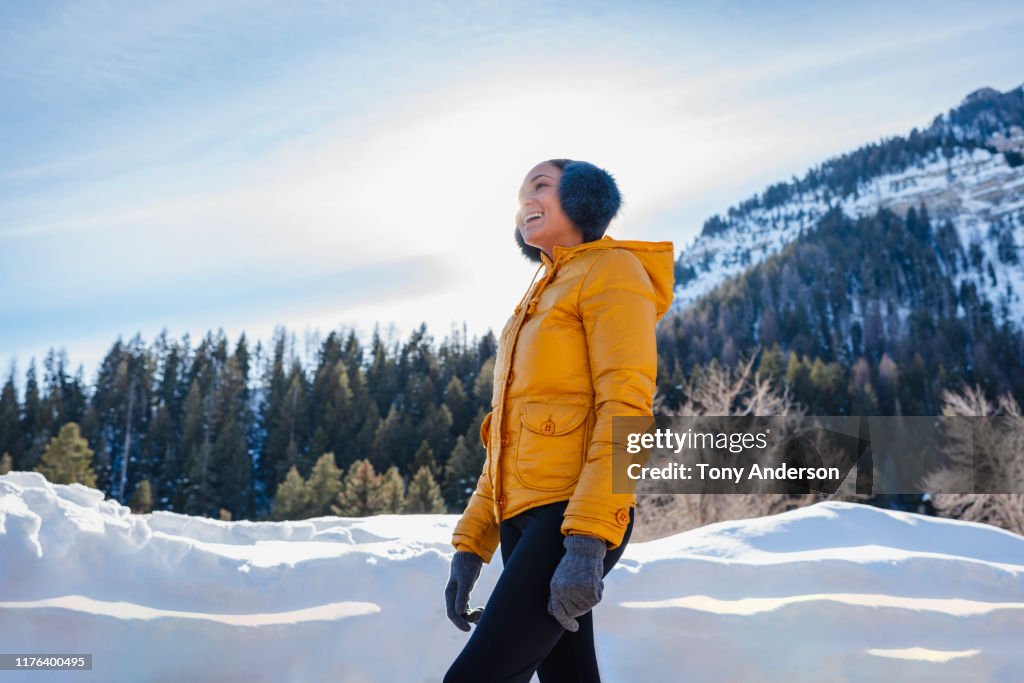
column 833, row 592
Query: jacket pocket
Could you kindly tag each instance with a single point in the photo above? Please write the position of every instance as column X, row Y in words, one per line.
column 552, row 444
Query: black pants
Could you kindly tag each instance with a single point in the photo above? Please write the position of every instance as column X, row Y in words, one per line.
column 516, row 636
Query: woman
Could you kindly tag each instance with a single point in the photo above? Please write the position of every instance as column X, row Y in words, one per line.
column 580, row 350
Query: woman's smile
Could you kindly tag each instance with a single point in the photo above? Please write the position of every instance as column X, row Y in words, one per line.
column 533, row 221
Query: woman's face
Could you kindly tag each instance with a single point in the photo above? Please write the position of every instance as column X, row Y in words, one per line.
column 540, row 218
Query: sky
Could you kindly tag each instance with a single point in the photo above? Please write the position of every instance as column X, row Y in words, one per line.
column 218, row 164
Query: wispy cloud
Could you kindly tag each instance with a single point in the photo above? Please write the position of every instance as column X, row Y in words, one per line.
column 194, row 160
column 101, row 45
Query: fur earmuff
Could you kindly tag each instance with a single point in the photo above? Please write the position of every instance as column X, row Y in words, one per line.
column 590, row 199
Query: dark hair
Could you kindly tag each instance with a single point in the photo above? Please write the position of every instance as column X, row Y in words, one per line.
column 588, row 195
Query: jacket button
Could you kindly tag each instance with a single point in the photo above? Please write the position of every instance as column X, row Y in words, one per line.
column 505, row 439
column 547, row 427
column 622, row 516
column 502, row 500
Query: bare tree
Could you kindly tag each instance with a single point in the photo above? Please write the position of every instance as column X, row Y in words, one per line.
column 993, row 449
column 729, row 391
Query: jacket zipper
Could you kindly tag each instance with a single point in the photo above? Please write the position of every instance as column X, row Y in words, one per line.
column 500, row 409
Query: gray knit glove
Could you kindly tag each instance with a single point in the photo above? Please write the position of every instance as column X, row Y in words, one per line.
column 464, row 572
column 577, row 584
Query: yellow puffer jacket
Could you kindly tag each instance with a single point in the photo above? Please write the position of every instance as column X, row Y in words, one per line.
column 580, row 351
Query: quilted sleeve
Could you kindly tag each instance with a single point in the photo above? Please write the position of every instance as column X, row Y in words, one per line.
column 477, row 530
column 617, row 307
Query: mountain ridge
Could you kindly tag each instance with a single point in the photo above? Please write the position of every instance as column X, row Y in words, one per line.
column 966, row 167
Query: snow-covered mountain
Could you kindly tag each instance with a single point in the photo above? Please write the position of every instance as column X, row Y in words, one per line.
column 835, row 591
column 966, row 168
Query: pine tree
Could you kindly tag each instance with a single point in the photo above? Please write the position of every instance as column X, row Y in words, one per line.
column 162, row 452
column 68, row 458
column 459, row 405
column 381, row 380
column 364, row 438
column 198, row 492
column 860, row 389
column 918, row 382
column 437, row 430
column 353, row 357
column 230, row 447
column 425, row 458
column 360, row 492
column 331, row 399
column 391, row 495
column 798, row 373
column 134, row 382
column 202, row 480
column 483, row 386
column 10, row 428
column 121, row 400
column 292, row 500
column 324, row 485
column 162, row 455
column 358, row 407
column 472, row 438
column 52, row 404
column 142, row 498
column 52, row 413
column 391, row 439
column 285, row 418
column 827, row 382
column 275, row 441
column 33, row 440
column 888, row 384
column 670, row 392
column 294, row 420
column 770, row 364
column 461, row 472
column 424, row 495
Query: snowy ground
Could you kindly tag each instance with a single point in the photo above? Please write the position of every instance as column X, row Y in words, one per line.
column 834, row 592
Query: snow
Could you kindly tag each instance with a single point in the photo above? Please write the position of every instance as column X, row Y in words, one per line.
column 834, row 591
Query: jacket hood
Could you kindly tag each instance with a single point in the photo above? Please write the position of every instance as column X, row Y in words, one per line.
column 657, row 258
